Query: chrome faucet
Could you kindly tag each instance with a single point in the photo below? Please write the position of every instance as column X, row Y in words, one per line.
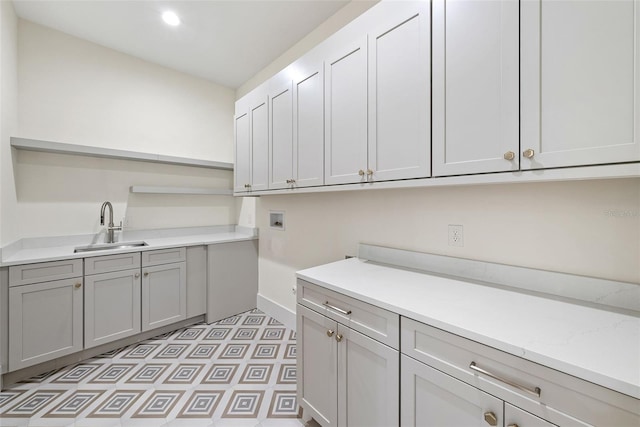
column 110, row 227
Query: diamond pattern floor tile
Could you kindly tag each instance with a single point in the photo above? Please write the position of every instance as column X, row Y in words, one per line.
column 238, row 372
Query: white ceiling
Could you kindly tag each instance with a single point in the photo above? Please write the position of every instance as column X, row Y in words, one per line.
column 226, row 42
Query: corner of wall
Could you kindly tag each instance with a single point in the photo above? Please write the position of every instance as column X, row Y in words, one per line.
column 348, row 13
column 8, row 120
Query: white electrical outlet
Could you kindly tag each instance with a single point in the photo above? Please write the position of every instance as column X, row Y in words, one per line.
column 456, row 235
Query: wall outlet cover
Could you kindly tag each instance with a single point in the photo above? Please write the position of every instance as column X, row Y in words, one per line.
column 456, row 235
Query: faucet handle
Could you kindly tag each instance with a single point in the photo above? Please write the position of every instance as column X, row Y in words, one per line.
column 116, row 227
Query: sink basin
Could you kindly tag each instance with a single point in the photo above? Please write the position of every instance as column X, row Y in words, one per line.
column 109, row 246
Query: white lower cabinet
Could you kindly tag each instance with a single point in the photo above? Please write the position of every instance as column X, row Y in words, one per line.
column 111, row 306
column 433, row 398
column 45, row 321
column 164, row 295
column 346, row 378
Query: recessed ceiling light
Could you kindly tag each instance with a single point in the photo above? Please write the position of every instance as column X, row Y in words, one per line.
column 171, row 18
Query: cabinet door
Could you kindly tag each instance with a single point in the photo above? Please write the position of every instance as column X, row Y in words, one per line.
column 580, row 74
column 433, row 398
column 475, row 86
column 259, row 112
column 317, row 368
column 399, row 90
column 281, row 136
column 111, row 306
column 346, row 113
column 516, row 417
column 368, row 381
column 242, row 166
column 308, row 119
column 45, row 321
column 163, row 295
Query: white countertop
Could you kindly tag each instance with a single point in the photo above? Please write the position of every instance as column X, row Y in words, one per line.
column 596, row 345
column 154, row 240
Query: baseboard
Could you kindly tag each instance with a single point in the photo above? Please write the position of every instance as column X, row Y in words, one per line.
column 277, row 311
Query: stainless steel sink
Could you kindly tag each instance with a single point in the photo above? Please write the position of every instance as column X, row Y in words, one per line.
column 109, row 246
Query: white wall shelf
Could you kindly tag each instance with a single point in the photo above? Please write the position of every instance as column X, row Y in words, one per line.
column 84, row 150
column 181, row 190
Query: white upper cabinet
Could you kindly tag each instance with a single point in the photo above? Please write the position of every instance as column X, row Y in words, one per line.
column 346, row 111
column 475, row 86
column 280, row 134
column 296, row 124
column 259, row 127
column 580, row 80
column 252, row 141
column 242, row 167
column 308, row 119
column 399, row 89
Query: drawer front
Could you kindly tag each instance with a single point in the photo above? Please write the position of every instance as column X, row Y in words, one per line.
column 375, row 322
column 110, row 263
column 163, row 256
column 515, row 380
column 44, row 272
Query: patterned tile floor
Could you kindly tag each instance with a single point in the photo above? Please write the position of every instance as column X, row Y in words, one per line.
column 239, row 372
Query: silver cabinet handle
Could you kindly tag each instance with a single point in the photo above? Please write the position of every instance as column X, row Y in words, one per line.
column 146, row 273
column 536, row 391
column 339, row 337
column 509, row 155
column 78, row 285
column 330, row 333
column 369, row 172
column 136, row 275
column 361, row 172
column 338, row 309
column 528, row 153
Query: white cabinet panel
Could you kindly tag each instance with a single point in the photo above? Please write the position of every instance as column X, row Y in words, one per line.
column 259, row 112
column 317, row 365
column 232, row 278
column 308, row 118
column 163, row 295
column 44, row 271
column 45, row 321
column 163, row 256
column 432, row 398
column 399, row 91
column 281, row 136
column 242, row 167
column 108, row 263
column 346, row 113
column 111, row 306
column 580, row 79
column 368, row 381
column 475, row 86
column 196, row 280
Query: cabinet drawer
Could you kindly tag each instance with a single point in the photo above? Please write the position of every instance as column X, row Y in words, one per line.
column 163, row 256
column 109, row 263
column 559, row 393
column 44, row 272
column 375, row 322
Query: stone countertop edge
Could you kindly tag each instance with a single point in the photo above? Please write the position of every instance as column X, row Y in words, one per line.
column 534, row 338
column 58, row 253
